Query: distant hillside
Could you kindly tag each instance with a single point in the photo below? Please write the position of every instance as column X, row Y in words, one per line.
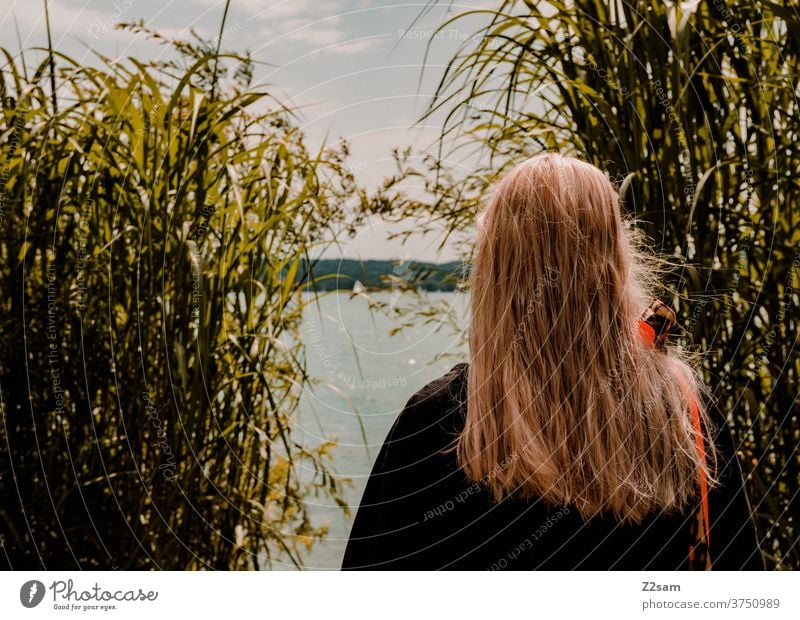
column 341, row 274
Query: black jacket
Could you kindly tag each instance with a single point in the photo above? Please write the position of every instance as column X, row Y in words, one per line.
column 419, row 511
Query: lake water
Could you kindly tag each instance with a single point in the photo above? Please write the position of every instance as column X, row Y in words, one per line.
column 363, row 373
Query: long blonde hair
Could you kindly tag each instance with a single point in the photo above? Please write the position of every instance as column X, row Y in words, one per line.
column 564, row 400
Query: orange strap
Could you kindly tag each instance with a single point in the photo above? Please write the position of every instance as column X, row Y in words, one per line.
column 702, row 452
column 648, row 334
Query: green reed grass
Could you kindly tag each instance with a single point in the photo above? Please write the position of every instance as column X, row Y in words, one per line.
column 154, row 218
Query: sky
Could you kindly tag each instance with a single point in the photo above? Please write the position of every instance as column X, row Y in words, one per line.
column 353, row 67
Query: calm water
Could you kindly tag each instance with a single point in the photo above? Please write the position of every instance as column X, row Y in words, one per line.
column 365, row 374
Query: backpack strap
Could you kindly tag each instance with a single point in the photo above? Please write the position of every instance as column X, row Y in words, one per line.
column 653, row 328
column 702, row 475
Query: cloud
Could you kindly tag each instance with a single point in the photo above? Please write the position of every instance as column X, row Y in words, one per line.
column 285, row 23
column 278, row 9
column 331, row 41
column 64, row 20
column 355, row 46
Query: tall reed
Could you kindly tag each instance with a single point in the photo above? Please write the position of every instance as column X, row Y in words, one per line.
column 154, row 220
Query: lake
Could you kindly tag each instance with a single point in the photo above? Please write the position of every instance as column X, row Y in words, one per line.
column 363, row 373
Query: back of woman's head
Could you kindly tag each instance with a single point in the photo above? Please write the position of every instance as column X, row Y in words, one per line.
column 565, row 401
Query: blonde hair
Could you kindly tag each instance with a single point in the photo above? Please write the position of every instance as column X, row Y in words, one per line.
column 564, row 400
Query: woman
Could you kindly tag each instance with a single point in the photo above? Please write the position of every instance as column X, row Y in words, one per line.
column 569, row 441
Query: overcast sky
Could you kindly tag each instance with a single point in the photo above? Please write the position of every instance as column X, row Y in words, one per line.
column 354, row 66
